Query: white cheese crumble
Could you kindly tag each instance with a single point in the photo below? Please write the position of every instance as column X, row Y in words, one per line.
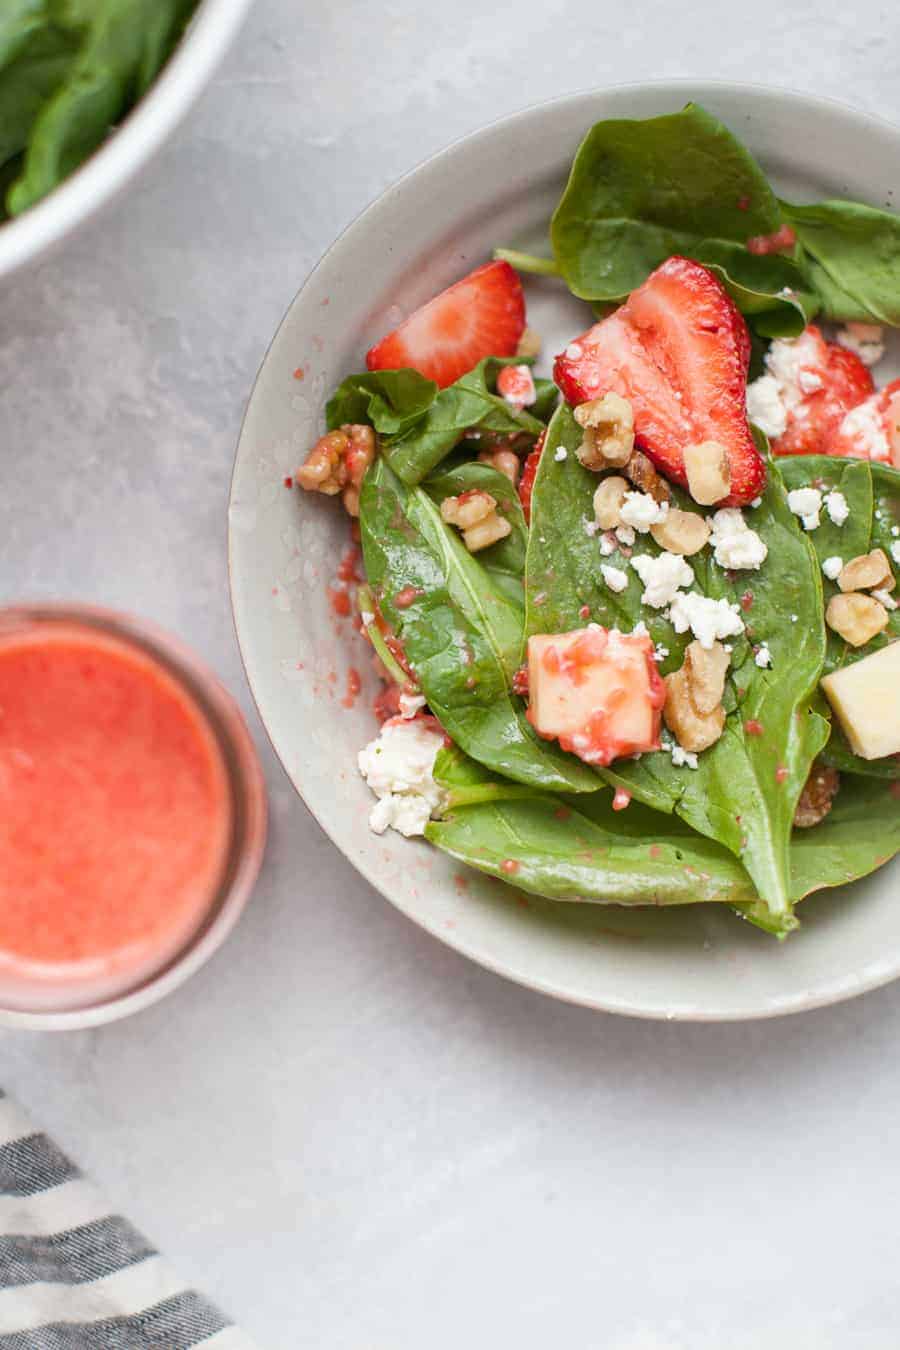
column 398, row 766
column 864, row 426
column 765, row 407
column 757, row 502
column 681, row 758
column 560, row 454
column 709, row 620
column 885, row 598
column 410, row 704
column 736, row 545
column 625, row 535
column 662, row 576
column 809, row 381
column 806, row 503
column 832, row 567
column 895, row 551
column 660, row 652
column 864, row 340
column 836, row 506
column 640, row 511
column 615, row 578
column 573, row 351
column 591, row 527
column 762, row 656
column 607, row 545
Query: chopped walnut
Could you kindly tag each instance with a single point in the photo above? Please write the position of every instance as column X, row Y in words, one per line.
column 708, row 472
column 338, row 462
column 475, row 513
column 693, row 711
column 645, row 478
column 867, row 572
column 681, row 532
column 608, row 425
column 503, row 460
column 529, row 344
column 608, row 501
column 817, row 796
column 856, row 618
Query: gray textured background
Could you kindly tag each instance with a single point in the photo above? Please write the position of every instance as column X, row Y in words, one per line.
column 342, row 1130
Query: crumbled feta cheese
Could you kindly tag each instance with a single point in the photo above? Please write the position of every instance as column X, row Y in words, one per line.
column 864, row 426
column 573, row 351
column 625, row 535
column 660, row 652
column 885, row 598
column 607, row 545
column 832, row 567
column 806, row 503
column 591, row 527
column 410, row 704
column 895, row 530
column 735, row 544
column 683, row 759
column 895, row 551
column 560, row 454
column 662, row 576
column 615, row 578
column 794, row 618
column 836, row 506
column 763, row 657
column 709, row 620
column 757, row 501
column 865, row 340
column 640, row 511
column 765, row 406
column 809, row 381
column 398, row 766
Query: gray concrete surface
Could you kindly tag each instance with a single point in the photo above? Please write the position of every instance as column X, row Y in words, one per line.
column 340, row 1129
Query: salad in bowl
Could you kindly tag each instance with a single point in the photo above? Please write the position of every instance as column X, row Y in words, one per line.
column 636, row 622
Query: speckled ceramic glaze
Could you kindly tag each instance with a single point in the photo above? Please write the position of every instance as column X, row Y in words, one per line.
column 500, row 186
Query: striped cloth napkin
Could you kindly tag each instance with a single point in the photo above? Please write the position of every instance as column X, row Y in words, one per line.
column 73, row 1275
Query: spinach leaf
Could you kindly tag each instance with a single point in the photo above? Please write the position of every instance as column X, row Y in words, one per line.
column 461, row 633
column 860, row 834
column 856, row 258
column 36, row 71
column 419, row 423
column 641, row 190
column 873, row 497
column 505, row 561
column 745, row 790
column 20, row 20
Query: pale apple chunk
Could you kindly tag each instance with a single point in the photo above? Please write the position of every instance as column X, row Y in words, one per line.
column 866, row 701
column 596, row 691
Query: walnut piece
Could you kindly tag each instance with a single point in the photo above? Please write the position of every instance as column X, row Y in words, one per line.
column 505, row 461
column 608, row 501
column 608, row 425
column 817, row 796
column 856, row 618
column 706, row 668
column 708, row 472
column 338, row 462
column 866, row 572
column 645, row 478
column 475, row 513
column 692, row 730
column 681, row 532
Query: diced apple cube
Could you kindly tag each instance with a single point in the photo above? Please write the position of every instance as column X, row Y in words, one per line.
column 866, row 702
column 597, row 691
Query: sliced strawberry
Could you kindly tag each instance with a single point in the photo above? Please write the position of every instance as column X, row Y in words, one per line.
column 819, row 382
column 871, row 430
column 516, row 385
column 529, row 473
column 482, row 315
column 679, row 351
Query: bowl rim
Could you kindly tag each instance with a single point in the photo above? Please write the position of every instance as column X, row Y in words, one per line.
column 840, row 989
column 105, row 173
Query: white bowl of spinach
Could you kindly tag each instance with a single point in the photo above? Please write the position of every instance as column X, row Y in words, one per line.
column 89, row 89
column 643, row 911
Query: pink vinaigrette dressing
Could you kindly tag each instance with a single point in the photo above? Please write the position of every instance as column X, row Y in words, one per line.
column 116, row 815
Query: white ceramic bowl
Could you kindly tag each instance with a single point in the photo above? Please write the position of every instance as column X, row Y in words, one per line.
column 499, row 186
column 107, row 171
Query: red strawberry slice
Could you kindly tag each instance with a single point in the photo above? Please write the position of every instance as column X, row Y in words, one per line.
column 821, row 381
column 871, row 430
column 529, row 473
column 679, row 351
column 482, row 315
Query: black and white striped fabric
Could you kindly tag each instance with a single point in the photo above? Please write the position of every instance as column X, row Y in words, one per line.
column 73, row 1275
